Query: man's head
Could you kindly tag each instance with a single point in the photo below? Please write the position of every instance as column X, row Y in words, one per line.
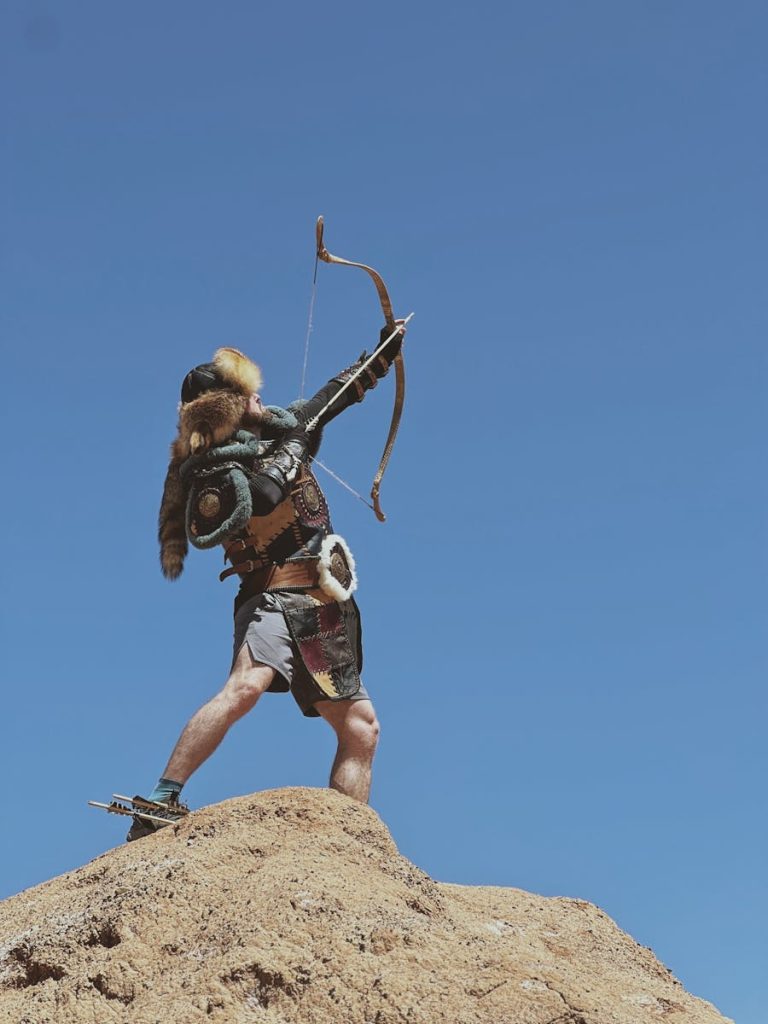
column 218, row 398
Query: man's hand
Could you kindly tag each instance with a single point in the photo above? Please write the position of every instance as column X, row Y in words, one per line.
column 388, row 349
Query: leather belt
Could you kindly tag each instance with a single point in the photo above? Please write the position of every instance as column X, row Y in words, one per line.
column 275, row 577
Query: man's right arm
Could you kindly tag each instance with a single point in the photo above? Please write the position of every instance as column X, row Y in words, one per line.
column 272, row 483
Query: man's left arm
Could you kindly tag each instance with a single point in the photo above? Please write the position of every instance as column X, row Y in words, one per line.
column 369, row 378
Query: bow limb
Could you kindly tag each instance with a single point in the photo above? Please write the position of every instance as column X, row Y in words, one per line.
column 394, row 426
column 397, row 411
column 381, row 288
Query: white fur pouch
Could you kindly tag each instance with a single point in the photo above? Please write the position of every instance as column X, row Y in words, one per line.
column 336, row 568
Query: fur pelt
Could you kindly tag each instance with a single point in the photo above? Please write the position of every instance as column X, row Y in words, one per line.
column 208, row 420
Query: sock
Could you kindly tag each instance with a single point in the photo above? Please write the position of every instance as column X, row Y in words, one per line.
column 165, row 790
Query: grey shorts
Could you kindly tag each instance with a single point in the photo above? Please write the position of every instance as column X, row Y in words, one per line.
column 261, row 624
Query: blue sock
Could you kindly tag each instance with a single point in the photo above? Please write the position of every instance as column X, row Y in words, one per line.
column 165, row 790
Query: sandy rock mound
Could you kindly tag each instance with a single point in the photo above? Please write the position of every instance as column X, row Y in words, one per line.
column 294, row 906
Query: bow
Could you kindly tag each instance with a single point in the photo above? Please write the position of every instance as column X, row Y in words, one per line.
column 394, row 327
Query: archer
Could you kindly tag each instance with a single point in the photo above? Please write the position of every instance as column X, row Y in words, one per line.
column 240, row 476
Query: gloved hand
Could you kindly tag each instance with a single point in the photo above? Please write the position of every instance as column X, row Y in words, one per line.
column 387, row 349
column 378, row 365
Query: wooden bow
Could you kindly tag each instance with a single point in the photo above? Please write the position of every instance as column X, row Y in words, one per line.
column 397, row 411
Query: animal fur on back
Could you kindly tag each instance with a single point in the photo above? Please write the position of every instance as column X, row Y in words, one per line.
column 208, row 420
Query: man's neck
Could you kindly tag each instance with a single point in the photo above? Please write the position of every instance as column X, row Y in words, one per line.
column 253, row 426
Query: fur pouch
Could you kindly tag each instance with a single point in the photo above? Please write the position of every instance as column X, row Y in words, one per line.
column 218, row 505
column 218, row 502
column 336, row 568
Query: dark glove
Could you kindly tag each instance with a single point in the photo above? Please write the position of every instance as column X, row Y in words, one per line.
column 387, row 350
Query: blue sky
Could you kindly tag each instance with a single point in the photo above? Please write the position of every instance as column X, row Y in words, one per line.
column 564, row 614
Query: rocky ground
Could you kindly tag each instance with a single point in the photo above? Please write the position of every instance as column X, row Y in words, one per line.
column 294, row 905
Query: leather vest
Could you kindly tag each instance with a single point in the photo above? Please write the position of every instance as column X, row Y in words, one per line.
column 294, row 530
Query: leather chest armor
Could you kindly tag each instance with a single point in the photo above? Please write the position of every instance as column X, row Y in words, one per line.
column 293, row 531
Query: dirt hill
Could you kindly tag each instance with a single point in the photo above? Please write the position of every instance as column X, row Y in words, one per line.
column 294, row 905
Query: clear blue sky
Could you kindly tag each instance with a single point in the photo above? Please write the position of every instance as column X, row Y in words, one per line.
column 568, row 656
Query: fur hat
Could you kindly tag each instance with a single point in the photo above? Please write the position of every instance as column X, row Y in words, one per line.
column 214, row 397
column 230, row 370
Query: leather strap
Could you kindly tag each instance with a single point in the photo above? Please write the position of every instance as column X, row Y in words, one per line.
column 241, row 544
column 275, row 577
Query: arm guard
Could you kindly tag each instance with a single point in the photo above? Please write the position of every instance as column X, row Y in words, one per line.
column 368, row 379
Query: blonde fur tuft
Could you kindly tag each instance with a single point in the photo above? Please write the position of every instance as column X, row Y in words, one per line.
column 238, row 370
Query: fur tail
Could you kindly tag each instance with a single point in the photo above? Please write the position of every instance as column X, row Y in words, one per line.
column 171, row 531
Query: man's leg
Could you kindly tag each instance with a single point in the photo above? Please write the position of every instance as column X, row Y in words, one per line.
column 208, row 726
column 357, row 730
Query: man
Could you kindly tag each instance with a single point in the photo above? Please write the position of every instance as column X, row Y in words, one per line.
column 240, row 475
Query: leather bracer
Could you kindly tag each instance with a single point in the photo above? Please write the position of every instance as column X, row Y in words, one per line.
column 272, row 482
column 366, row 380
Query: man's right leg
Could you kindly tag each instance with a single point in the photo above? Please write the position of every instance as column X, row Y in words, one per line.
column 208, row 726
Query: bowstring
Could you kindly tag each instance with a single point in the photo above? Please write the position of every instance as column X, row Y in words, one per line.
column 351, row 380
column 343, row 483
column 310, row 328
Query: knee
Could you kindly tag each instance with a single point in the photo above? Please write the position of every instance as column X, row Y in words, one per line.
column 239, row 696
column 362, row 729
column 243, row 688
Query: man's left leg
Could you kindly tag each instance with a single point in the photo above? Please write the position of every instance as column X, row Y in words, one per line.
column 357, row 730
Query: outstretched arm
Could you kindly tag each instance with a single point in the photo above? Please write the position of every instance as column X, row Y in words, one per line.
column 324, row 401
column 273, row 482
